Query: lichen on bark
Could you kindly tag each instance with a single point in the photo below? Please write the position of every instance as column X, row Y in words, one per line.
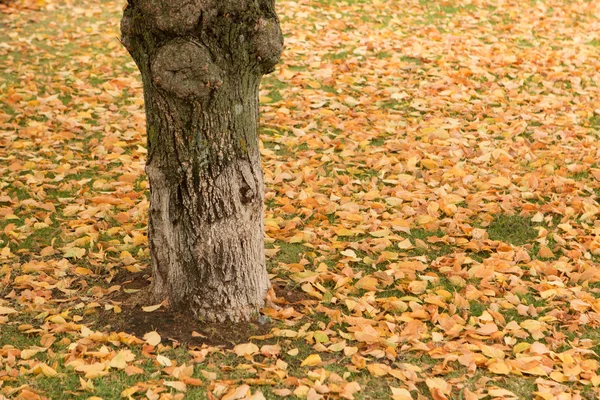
column 201, row 63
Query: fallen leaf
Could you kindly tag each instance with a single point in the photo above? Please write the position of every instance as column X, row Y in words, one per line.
column 245, row 349
column 152, row 308
column 152, row 338
column 311, row 361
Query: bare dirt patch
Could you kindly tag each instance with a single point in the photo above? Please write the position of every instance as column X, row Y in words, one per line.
column 183, row 328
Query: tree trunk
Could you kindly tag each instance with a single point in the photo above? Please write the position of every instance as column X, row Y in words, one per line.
column 201, row 63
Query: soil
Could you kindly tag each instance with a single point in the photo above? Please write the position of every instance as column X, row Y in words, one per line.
column 290, row 295
column 182, row 328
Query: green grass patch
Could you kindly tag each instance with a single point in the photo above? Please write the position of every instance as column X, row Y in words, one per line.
column 290, row 252
column 594, row 42
column 512, row 229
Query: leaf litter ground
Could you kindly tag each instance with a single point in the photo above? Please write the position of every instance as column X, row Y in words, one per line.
column 432, row 199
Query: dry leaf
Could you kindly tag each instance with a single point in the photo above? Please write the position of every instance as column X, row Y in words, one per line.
column 152, row 308
column 152, row 338
column 245, row 349
column 311, row 361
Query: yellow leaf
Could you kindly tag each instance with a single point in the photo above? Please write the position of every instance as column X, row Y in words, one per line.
column 28, row 353
column 245, row 349
column 86, row 385
column 44, row 369
column 558, row 376
column 492, row 352
column 133, row 370
column 311, row 361
column 285, row 333
column 349, row 253
column 438, row 388
column 270, row 350
column 381, row 233
column 7, row 310
column 531, row 325
column 535, row 370
column 321, row 337
column 521, row 347
column 400, row 394
column 47, row 251
column 130, row 391
column 417, row 287
column 211, row 376
column 405, row 244
column 351, row 101
column 57, row 319
column 92, row 370
column 500, row 368
column 378, row 369
column 339, row 346
column 83, row 271
column 152, row 338
column 164, row 361
column 366, row 337
column 500, row 181
column 177, row 385
column 152, row 308
column 487, row 329
column 74, row 252
column 501, row 393
column 424, row 219
column 241, row 392
column 367, row 283
column 120, row 360
column 429, row 164
column 580, row 305
column 545, row 252
column 344, row 232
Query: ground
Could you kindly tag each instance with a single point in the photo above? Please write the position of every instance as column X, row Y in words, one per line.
column 432, row 185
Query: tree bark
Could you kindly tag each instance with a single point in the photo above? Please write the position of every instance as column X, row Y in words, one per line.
column 201, row 63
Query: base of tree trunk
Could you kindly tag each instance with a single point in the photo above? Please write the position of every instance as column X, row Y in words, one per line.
column 214, row 270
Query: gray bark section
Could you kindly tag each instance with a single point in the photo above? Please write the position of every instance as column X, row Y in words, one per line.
column 201, row 63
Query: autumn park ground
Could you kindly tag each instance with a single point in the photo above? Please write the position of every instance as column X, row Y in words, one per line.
column 432, row 183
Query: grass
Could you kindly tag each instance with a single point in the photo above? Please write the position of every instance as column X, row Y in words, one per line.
column 594, row 42
column 433, row 250
column 290, row 252
column 512, row 229
column 523, row 388
column 476, row 308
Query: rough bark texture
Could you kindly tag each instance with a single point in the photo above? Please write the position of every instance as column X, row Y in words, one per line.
column 201, row 62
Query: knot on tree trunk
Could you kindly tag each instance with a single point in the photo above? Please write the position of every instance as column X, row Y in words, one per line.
column 173, row 16
column 268, row 43
column 185, row 68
